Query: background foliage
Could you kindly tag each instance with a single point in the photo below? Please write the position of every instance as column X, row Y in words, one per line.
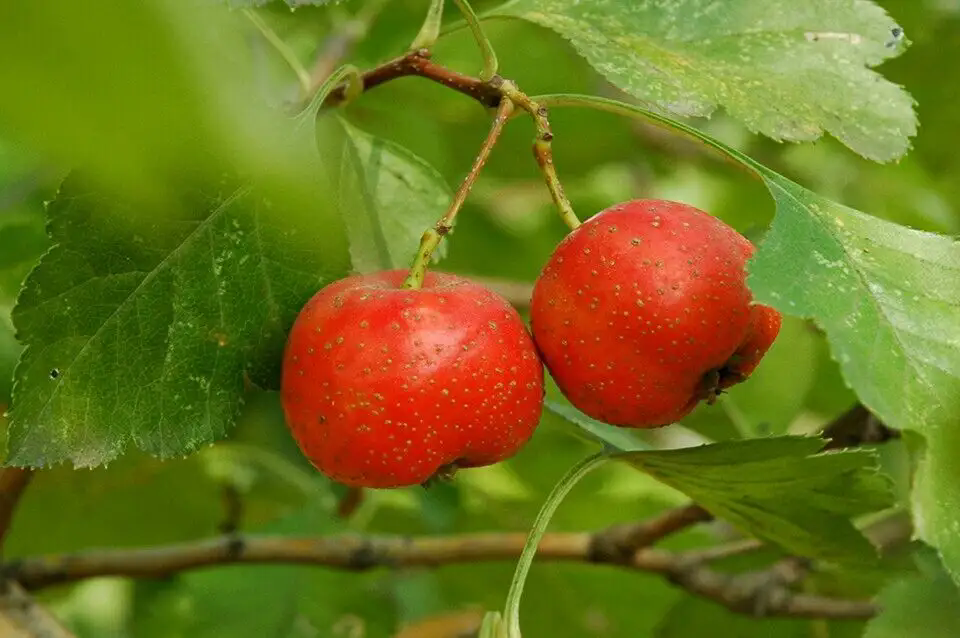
column 211, row 216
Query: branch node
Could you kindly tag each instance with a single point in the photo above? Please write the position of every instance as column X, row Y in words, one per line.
column 364, row 557
column 235, row 546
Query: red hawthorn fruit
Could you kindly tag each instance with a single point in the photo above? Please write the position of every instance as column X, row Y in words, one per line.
column 388, row 387
column 643, row 311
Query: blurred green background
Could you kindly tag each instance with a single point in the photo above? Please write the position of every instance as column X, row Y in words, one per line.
column 506, row 230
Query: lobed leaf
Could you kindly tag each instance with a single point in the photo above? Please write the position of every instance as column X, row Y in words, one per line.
column 779, row 489
column 788, row 70
column 142, row 329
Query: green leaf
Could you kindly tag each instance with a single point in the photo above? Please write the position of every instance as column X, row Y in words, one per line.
column 141, row 328
column 779, row 489
column 618, row 439
column 187, row 240
column 22, row 241
column 788, row 70
column 391, row 195
column 887, row 297
column 918, row 607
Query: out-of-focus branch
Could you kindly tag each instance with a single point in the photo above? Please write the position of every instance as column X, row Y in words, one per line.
column 619, row 542
column 766, row 592
column 418, row 64
column 22, row 617
column 857, row 426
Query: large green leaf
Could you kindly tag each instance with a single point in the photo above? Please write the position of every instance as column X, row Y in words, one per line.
column 389, row 197
column 141, row 330
column 889, row 300
column 779, row 489
column 789, row 70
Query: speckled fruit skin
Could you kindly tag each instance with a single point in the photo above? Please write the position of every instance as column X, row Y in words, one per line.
column 643, row 311
column 386, row 387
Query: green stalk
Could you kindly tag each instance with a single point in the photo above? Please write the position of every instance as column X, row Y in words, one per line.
column 431, row 238
column 561, row 489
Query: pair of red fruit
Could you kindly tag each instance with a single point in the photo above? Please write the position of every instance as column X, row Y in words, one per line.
column 640, row 313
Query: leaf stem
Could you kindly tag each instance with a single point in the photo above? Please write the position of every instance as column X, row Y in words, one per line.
column 281, row 47
column 630, row 110
column 490, row 63
column 430, row 31
column 561, row 489
column 432, row 237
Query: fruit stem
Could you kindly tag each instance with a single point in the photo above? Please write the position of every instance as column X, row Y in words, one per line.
column 490, row 63
column 543, row 150
column 430, row 30
column 431, row 238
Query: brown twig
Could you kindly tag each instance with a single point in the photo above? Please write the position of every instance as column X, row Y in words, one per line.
column 618, row 542
column 857, row 426
column 13, row 480
column 418, row 64
column 765, row 592
column 22, row 617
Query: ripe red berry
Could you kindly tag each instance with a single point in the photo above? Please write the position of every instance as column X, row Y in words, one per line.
column 643, row 311
column 387, row 387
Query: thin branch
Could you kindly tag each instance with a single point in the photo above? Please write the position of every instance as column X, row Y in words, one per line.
column 418, row 64
column 13, row 480
column 857, row 426
column 618, row 542
column 752, row 593
column 726, row 550
column 22, row 617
